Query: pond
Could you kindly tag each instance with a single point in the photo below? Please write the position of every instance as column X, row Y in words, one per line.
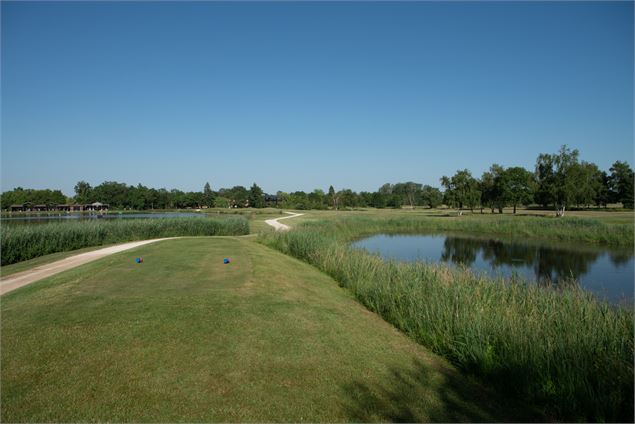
column 60, row 217
column 606, row 272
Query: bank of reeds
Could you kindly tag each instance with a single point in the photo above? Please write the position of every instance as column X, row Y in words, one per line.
column 22, row 242
column 563, row 352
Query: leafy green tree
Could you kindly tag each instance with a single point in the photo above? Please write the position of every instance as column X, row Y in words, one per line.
column 487, row 188
column 516, row 186
column 208, row 195
column 378, row 200
column 256, row 197
column 333, row 197
column 621, row 183
column 83, row 192
column 317, row 199
column 588, row 183
column 546, row 180
column 602, row 195
column 461, row 190
column 410, row 192
column 431, row 196
column 221, row 202
column 557, row 179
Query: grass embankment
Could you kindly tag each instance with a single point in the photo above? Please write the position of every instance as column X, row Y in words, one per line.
column 564, row 352
column 182, row 337
column 23, row 242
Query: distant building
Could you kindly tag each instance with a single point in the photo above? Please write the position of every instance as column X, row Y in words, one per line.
column 30, row 207
column 271, row 199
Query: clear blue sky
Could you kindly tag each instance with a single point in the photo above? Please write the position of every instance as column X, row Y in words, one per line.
column 297, row 96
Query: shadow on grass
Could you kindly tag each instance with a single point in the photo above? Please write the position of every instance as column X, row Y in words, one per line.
column 421, row 393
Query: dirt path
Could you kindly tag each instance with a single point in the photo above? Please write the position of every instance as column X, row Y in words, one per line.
column 281, row 227
column 27, row 277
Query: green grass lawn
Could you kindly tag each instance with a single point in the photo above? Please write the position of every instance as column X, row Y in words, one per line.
column 183, row 337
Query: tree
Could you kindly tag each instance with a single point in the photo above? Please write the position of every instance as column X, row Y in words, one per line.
column 409, row 192
column 517, row 186
column 565, row 184
column 487, row 187
column 431, row 196
column 588, row 183
column 461, row 190
column 83, row 192
column 256, row 197
column 602, row 196
column 621, row 183
column 545, row 179
column 208, row 196
column 557, row 178
column 333, row 197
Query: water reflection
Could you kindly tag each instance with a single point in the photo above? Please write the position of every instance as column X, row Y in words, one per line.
column 550, row 264
column 608, row 272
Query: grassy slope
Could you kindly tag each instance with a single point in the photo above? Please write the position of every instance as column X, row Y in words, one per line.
column 499, row 331
column 183, row 337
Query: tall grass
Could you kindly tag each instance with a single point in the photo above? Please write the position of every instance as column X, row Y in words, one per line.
column 22, row 242
column 564, row 352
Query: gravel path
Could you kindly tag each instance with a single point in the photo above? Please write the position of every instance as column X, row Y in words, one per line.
column 281, row 227
column 27, row 277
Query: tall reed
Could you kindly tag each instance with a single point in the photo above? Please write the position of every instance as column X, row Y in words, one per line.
column 564, row 352
column 22, row 242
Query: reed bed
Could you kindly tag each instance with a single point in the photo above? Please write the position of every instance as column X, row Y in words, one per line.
column 22, row 242
column 564, row 352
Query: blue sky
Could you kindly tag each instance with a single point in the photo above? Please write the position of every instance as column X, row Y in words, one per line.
column 297, row 96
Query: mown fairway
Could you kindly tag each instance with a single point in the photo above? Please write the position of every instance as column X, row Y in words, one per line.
column 183, row 337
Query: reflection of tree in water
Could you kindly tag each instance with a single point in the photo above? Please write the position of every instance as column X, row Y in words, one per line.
column 620, row 258
column 460, row 251
column 557, row 265
column 550, row 264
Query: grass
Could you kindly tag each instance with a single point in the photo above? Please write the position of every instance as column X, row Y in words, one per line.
column 24, row 242
column 573, row 228
column 565, row 352
column 184, row 338
column 7, row 270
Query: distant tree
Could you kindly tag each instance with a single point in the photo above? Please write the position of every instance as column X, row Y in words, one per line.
column 588, row 183
column 386, row 189
column 557, row 179
column 83, row 192
column 431, row 196
column 113, row 193
column 317, row 199
column 409, row 192
column 602, row 195
column 222, row 202
column 461, row 190
column 516, row 186
column 256, row 197
column 565, row 182
column 546, row 180
column 393, row 201
column 378, row 200
column 208, row 196
column 347, row 198
column 487, row 187
column 621, row 183
column 333, row 197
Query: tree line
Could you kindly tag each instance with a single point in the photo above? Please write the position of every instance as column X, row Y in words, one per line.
column 559, row 181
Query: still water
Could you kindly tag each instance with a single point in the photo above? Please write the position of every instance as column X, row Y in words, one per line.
column 606, row 272
column 41, row 219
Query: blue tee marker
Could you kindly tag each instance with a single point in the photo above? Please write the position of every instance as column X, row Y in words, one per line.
column 226, row 261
